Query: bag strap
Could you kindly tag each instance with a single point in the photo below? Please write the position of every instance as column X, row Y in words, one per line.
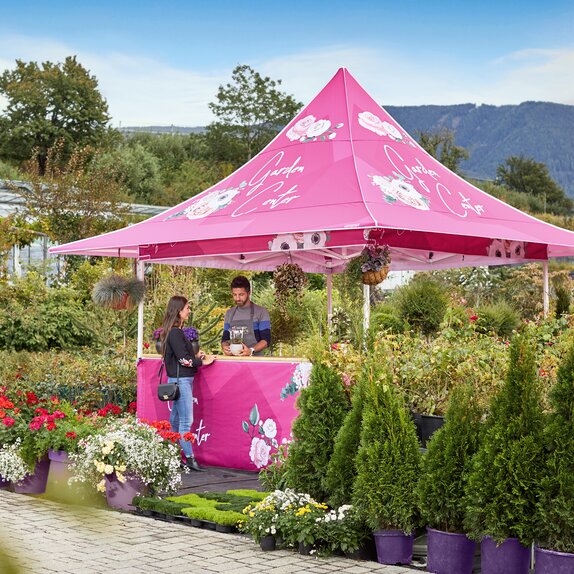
column 160, row 372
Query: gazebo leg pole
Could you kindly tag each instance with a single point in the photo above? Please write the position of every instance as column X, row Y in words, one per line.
column 545, row 290
column 366, row 309
column 329, row 305
column 140, row 276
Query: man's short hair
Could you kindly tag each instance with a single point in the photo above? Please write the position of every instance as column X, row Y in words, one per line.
column 241, row 282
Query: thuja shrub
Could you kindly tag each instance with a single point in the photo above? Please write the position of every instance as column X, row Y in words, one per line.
column 322, row 407
column 503, row 482
column 499, row 318
column 446, row 464
column 422, row 304
column 555, row 509
column 388, row 459
column 342, row 468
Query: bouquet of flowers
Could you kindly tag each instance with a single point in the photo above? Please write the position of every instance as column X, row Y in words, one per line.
column 127, row 447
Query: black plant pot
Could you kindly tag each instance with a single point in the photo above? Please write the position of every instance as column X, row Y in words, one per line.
column 305, row 548
column 196, row 522
column 426, row 425
column 225, row 528
column 267, row 543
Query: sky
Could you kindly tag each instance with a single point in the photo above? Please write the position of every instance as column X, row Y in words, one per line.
column 161, row 62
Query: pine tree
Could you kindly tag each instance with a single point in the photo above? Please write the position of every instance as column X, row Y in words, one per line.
column 555, row 509
column 442, row 483
column 342, row 468
column 502, row 486
column 388, row 460
column 322, row 407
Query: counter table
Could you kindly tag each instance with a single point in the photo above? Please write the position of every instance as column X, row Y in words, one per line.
column 244, row 406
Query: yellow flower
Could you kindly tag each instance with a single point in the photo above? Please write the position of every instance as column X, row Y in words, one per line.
column 252, row 514
column 121, row 467
column 120, row 477
column 101, row 487
column 108, row 469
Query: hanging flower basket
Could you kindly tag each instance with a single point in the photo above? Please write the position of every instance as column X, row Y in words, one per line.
column 375, row 263
column 375, row 277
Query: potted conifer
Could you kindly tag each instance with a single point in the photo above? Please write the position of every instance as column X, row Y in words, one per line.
column 442, row 485
column 502, row 486
column 388, row 463
column 555, row 510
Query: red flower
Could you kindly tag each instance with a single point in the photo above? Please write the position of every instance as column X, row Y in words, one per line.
column 18, row 376
column 31, row 398
column 473, row 318
column 9, row 421
column 146, row 345
column 133, row 406
column 51, row 426
column 543, row 373
column 71, row 434
column 190, row 437
column 2, row 414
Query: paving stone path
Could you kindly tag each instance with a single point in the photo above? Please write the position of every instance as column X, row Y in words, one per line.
column 45, row 537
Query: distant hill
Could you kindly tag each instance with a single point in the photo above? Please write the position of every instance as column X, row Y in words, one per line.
column 539, row 130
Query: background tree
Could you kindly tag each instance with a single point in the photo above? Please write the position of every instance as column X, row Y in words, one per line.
column 73, row 199
column 442, row 147
column 250, row 111
column 47, row 103
column 526, row 175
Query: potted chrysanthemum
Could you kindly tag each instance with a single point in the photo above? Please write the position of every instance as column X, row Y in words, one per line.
column 125, row 459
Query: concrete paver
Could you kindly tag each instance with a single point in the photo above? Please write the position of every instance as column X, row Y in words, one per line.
column 45, row 537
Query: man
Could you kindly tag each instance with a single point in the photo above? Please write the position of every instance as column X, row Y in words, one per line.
column 247, row 315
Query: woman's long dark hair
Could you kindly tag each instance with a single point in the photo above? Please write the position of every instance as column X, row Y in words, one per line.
column 171, row 318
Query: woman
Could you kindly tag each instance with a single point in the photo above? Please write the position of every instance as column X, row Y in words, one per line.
column 179, row 359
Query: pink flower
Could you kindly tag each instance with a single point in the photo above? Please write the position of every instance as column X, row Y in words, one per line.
column 300, row 128
column 259, row 452
column 9, row 421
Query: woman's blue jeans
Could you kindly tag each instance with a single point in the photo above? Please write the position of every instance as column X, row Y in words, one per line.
column 181, row 416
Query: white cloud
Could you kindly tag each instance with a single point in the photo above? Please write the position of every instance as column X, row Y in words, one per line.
column 146, row 91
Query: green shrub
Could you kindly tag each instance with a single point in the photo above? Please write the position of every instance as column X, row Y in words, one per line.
column 563, row 300
column 442, row 483
column 322, row 407
column 502, row 485
column 159, row 505
column 555, row 508
column 273, row 476
column 253, row 494
column 87, row 379
column 214, row 515
column 388, row 459
column 422, row 304
column 499, row 318
column 386, row 318
column 342, row 468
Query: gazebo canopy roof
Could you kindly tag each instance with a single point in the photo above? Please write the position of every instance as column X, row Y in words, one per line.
column 341, row 174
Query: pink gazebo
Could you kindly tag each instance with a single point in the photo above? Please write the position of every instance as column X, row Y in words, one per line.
column 341, row 174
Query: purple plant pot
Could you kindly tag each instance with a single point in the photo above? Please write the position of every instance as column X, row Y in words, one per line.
column 449, row 552
column 4, row 484
column 394, row 546
column 59, row 473
column 508, row 558
column 35, row 483
column 120, row 495
column 552, row 562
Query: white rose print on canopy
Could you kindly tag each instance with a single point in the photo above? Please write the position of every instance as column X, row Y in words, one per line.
column 262, row 436
column 299, row 380
column 374, row 124
column 396, row 188
column 293, row 241
column 309, row 129
column 210, row 203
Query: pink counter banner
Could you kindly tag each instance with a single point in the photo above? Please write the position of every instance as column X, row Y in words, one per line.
column 244, row 408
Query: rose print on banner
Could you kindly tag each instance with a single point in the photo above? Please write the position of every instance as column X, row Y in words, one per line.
column 309, row 129
column 210, row 203
column 299, row 380
column 262, row 435
column 397, row 189
column 374, row 124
